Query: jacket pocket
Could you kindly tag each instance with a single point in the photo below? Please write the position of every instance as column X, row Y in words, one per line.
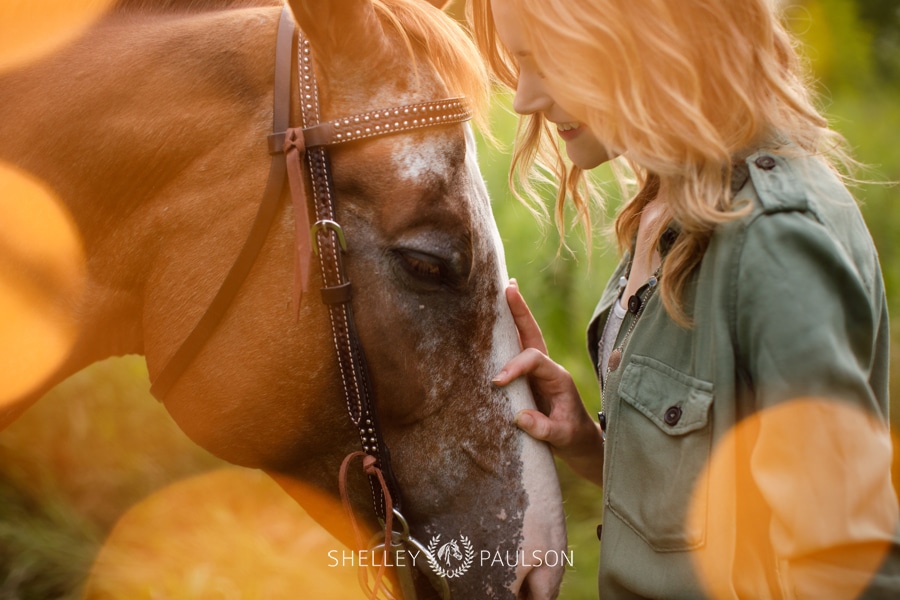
column 659, row 447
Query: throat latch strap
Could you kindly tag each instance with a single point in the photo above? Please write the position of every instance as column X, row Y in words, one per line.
column 259, row 231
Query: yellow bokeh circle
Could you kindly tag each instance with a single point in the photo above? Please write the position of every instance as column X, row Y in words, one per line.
column 32, row 28
column 42, row 276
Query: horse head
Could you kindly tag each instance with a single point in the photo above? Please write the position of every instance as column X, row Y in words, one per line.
column 182, row 137
column 451, row 548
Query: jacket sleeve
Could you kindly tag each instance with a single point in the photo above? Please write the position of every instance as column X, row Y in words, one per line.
column 806, row 329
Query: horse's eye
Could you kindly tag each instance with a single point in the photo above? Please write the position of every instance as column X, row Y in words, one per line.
column 427, row 269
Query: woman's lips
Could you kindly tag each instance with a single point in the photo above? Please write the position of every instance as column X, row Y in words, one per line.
column 569, row 131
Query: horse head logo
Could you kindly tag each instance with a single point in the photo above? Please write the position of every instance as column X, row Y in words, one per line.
column 449, row 549
column 443, row 557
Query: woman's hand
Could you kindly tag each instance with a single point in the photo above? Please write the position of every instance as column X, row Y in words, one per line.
column 561, row 419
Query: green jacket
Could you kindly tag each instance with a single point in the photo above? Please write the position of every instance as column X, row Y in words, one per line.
column 748, row 456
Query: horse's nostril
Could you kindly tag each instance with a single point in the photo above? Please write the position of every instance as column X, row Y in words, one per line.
column 540, row 583
column 524, row 591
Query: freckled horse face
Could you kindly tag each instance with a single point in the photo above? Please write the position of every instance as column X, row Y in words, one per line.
column 430, row 265
column 428, row 272
column 432, row 318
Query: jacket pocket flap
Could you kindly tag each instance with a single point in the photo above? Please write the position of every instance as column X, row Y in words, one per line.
column 675, row 402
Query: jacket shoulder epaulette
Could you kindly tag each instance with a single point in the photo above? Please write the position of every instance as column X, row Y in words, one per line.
column 778, row 186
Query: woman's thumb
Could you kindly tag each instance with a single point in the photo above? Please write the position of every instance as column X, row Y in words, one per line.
column 534, row 423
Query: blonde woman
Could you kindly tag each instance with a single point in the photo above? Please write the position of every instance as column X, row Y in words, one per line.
column 742, row 344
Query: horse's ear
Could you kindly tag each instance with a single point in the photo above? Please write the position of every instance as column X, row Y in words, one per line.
column 338, row 26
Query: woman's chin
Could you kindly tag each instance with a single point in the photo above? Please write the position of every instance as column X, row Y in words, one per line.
column 586, row 161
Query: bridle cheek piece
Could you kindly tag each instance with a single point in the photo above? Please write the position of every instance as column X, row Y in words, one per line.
column 289, row 146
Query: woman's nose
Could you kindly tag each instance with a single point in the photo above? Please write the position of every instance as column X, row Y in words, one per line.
column 531, row 95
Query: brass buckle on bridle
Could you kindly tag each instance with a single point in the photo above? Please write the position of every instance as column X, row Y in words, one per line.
column 327, row 224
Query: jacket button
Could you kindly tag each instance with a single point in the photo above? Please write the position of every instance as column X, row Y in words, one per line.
column 599, row 531
column 765, row 162
column 634, row 304
column 672, row 416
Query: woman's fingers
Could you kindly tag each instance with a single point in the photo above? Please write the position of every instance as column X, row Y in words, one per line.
column 529, row 331
column 535, row 424
column 543, row 372
column 558, row 431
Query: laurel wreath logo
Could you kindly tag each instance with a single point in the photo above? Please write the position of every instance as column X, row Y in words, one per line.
column 446, row 553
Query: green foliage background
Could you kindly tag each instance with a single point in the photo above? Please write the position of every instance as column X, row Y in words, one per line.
column 100, row 443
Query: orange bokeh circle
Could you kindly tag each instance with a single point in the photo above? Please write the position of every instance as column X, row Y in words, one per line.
column 42, row 276
column 230, row 533
column 30, row 29
column 796, row 500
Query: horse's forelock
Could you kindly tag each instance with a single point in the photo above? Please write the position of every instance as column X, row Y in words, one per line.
column 450, row 49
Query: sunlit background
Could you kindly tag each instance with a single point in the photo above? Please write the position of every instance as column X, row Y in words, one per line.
column 99, row 450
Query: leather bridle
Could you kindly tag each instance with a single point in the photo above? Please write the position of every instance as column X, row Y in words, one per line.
column 325, row 238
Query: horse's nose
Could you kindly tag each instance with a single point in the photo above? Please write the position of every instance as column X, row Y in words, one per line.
column 543, row 557
column 544, row 553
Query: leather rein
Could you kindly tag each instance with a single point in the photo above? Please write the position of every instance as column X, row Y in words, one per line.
column 288, row 146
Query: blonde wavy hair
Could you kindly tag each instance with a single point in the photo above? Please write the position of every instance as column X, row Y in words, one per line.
column 683, row 89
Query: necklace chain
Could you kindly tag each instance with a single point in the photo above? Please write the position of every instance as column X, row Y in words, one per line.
column 636, row 305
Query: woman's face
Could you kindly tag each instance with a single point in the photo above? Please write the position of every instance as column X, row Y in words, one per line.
column 533, row 96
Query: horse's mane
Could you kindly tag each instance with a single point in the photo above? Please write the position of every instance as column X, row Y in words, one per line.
column 182, row 6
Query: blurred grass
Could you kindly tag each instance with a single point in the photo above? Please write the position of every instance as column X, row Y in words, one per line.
column 72, row 465
column 46, row 545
